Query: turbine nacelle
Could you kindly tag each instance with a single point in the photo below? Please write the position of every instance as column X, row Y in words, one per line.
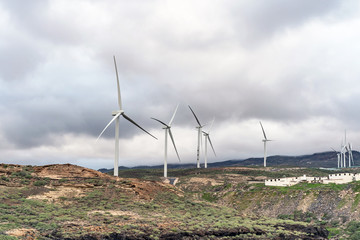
column 117, row 112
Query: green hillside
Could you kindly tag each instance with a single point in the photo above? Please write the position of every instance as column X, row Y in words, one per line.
column 70, row 202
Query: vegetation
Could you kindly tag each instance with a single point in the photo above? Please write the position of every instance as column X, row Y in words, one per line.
column 225, row 203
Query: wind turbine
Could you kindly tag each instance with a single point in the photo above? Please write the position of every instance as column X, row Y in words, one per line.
column 348, row 149
column 199, row 138
column 351, row 157
column 117, row 114
column 338, row 156
column 264, row 140
column 207, row 137
column 167, row 128
column 343, row 155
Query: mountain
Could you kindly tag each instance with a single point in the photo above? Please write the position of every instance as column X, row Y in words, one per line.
column 324, row 159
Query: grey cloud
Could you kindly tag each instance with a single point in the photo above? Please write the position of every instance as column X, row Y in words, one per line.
column 18, row 60
column 258, row 20
column 74, row 91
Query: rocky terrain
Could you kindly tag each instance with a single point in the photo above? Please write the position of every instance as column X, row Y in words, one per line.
column 71, row 202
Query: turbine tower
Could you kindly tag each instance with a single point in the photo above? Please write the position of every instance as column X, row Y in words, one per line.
column 343, row 155
column 338, row 157
column 348, row 152
column 167, row 128
column 351, row 157
column 265, row 140
column 348, row 149
column 207, row 137
column 199, row 138
column 117, row 114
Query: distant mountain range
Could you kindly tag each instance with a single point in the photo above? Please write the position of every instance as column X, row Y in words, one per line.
column 324, row 159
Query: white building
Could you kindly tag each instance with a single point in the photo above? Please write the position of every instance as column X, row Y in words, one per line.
column 337, row 178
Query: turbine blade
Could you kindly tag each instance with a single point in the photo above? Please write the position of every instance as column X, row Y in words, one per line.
column 172, row 139
column 334, row 150
column 118, row 85
column 263, row 130
column 161, row 122
column 211, row 124
column 208, row 136
column 195, row 117
column 132, row 121
column 113, row 119
column 172, row 119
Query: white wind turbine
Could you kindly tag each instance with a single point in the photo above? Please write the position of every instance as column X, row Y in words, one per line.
column 167, row 128
column 342, row 156
column 265, row 140
column 117, row 114
column 207, row 137
column 348, row 149
column 199, row 138
column 338, row 157
column 351, row 157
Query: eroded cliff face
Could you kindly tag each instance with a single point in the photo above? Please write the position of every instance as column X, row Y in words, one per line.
column 310, row 202
column 331, row 205
column 244, row 190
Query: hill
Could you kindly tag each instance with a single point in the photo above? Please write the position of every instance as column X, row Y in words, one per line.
column 71, row 202
column 324, row 160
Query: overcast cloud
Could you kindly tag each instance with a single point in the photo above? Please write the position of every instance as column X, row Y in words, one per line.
column 291, row 64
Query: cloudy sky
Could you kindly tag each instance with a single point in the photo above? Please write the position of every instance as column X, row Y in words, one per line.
column 294, row 65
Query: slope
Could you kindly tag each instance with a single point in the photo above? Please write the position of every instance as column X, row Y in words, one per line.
column 70, row 202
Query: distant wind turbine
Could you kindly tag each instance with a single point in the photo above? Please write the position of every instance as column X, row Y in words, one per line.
column 348, row 149
column 117, row 114
column 167, row 128
column 199, row 138
column 343, row 155
column 207, row 137
column 338, row 157
column 265, row 140
column 351, row 157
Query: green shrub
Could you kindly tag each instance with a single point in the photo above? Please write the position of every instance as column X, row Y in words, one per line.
column 355, row 236
column 5, row 237
column 45, row 226
column 24, row 182
column 208, row 197
column 40, row 183
column 353, row 227
column 21, row 174
column 4, row 178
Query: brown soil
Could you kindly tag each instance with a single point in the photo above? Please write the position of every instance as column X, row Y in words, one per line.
column 61, row 191
column 58, row 171
column 80, row 180
column 23, row 233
